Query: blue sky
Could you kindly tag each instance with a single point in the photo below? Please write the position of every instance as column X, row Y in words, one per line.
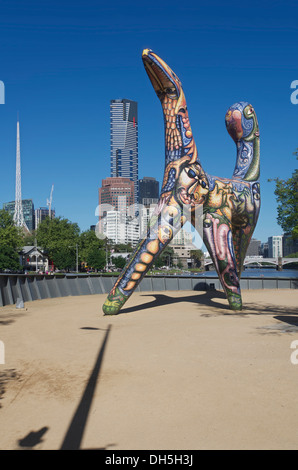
column 62, row 62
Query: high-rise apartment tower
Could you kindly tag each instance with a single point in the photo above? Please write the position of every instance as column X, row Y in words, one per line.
column 124, row 141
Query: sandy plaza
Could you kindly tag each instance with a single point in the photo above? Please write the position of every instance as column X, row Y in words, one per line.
column 173, row 370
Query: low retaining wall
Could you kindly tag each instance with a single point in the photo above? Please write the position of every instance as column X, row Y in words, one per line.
column 37, row 287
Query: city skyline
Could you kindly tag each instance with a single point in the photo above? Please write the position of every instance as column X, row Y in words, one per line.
column 61, row 71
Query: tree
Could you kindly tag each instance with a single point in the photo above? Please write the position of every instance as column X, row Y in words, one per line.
column 92, row 249
column 197, row 256
column 123, row 248
column 29, row 238
column 286, row 192
column 96, row 258
column 165, row 258
column 119, row 261
column 59, row 237
column 64, row 258
column 88, row 240
column 179, row 264
column 10, row 242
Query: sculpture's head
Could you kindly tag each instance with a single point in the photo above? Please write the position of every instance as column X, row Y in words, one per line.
column 178, row 134
column 241, row 121
column 164, row 81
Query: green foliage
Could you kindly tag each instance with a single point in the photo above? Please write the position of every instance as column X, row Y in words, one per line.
column 64, row 258
column 165, row 258
column 58, row 238
column 29, row 239
column 61, row 239
column 95, row 258
column 286, row 192
column 10, row 242
column 119, row 261
column 89, row 241
column 9, row 259
column 56, row 232
column 123, row 248
column 292, row 255
column 92, row 250
column 197, row 256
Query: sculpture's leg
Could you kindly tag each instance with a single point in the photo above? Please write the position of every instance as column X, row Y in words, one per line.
column 241, row 239
column 243, row 227
column 218, row 240
column 163, row 227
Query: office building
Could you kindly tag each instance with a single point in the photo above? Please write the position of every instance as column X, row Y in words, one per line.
column 41, row 214
column 114, row 191
column 275, row 246
column 148, row 191
column 120, row 228
column 124, row 141
column 28, row 211
column 264, row 250
column 254, row 248
column 116, row 199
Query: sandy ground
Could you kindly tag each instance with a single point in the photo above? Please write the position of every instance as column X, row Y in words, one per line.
column 174, row 370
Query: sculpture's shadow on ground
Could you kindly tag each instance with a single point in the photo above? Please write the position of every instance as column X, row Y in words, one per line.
column 206, row 298
column 209, row 298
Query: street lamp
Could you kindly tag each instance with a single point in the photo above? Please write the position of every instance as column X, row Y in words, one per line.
column 77, row 258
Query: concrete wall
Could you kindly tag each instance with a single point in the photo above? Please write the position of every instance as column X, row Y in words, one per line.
column 37, row 287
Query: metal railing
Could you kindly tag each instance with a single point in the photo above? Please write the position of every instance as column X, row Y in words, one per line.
column 27, row 287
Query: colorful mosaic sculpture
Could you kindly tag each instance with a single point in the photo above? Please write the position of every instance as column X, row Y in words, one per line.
column 230, row 206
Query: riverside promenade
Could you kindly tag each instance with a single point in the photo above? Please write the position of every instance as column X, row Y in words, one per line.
column 174, row 370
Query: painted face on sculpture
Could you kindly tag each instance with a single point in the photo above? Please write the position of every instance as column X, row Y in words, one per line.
column 165, row 82
column 192, row 185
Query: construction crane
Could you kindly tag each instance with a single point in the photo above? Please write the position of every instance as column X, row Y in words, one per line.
column 49, row 202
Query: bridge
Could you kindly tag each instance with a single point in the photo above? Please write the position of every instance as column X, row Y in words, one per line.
column 260, row 261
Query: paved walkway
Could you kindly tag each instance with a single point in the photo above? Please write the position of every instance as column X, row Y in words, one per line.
column 174, row 370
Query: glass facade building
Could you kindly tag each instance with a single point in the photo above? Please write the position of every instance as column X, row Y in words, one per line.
column 148, row 191
column 41, row 214
column 124, row 141
column 28, row 211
